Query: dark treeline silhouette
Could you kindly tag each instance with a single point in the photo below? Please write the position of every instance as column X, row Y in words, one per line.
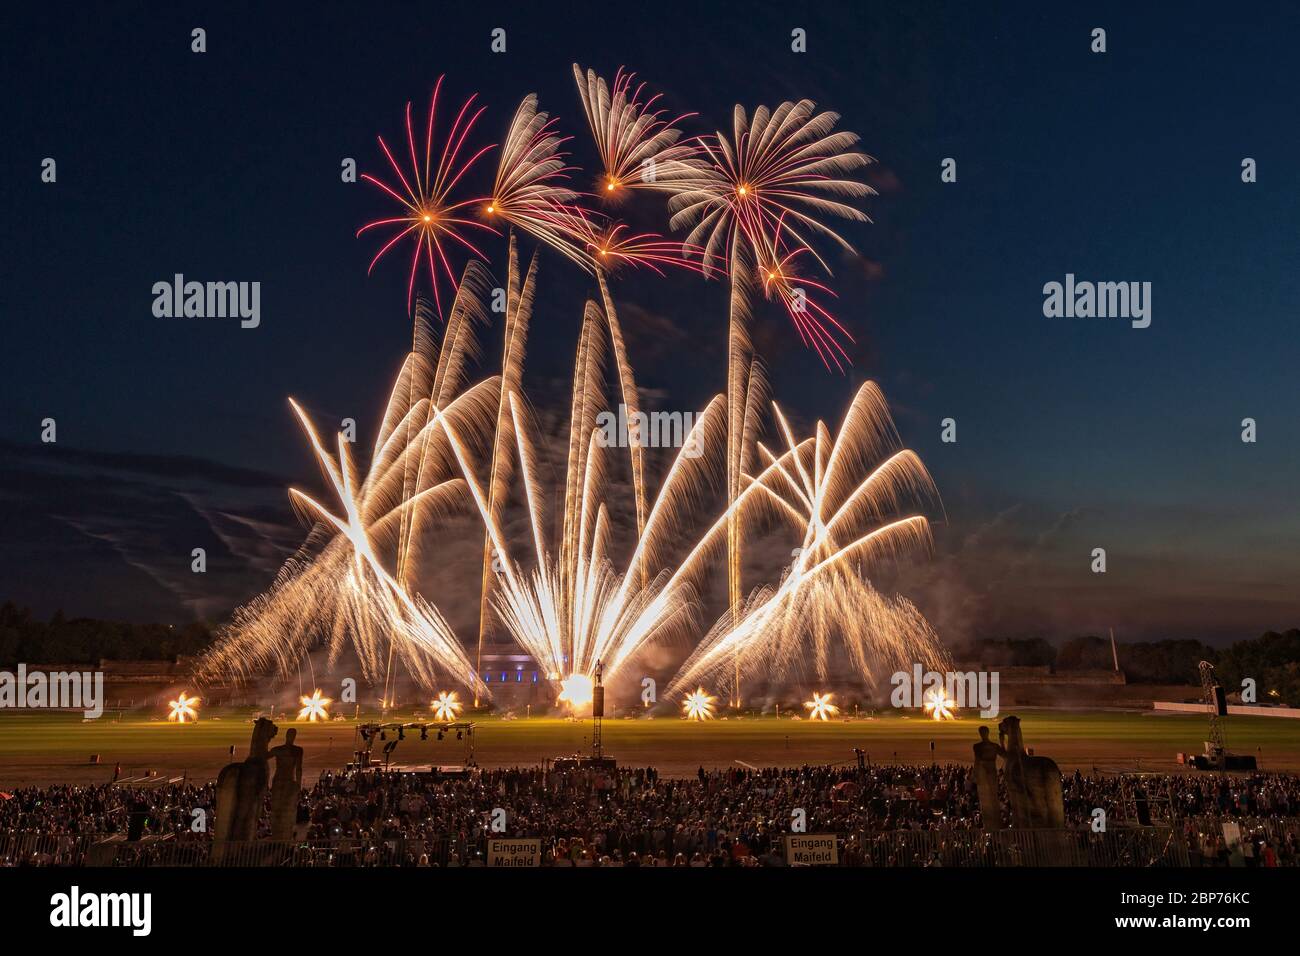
column 1272, row 660
column 86, row 640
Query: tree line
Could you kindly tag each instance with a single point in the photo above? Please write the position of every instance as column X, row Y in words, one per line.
column 1272, row 660
column 83, row 640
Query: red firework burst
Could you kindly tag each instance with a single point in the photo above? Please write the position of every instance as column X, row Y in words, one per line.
column 429, row 211
column 610, row 244
column 818, row 329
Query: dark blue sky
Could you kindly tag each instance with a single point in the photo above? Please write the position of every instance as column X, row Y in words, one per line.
column 1073, row 433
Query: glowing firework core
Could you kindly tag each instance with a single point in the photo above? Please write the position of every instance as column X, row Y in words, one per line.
column 447, row 706
column 820, row 707
column 183, row 708
column 315, row 707
column 939, row 705
column 577, row 690
column 699, row 705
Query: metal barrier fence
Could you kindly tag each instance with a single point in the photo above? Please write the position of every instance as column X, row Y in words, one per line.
column 1136, row 847
column 1160, row 846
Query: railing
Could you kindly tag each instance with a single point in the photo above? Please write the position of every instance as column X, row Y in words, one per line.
column 1137, row 847
column 1119, row 846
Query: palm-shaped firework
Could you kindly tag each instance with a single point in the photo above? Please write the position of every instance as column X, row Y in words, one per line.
column 768, row 186
column 783, row 168
column 638, row 148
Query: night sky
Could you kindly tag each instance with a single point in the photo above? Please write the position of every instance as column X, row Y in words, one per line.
column 1072, row 433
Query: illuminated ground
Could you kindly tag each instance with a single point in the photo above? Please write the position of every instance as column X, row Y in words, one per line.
column 53, row 748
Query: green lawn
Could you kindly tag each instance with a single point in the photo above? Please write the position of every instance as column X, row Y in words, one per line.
column 44, row 748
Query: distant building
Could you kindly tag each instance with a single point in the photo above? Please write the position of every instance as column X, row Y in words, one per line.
column 515, row 680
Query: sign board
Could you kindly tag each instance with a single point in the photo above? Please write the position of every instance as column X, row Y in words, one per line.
column 811, row 849
column 514, row 853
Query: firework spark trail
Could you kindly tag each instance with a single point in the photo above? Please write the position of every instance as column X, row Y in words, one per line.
column 752, row 204
column 569, row 606
column 338, row 591
column 638, row 148
column 843, row 496
column 783, row 168
column 611, row 246
column 529, row 192
column 519, row 310
column 777, row 164
column 817, row 328
column 429, row 210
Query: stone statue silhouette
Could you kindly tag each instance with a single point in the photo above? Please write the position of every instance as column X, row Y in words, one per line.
column 986, row 780
column 241, row 787
column 1033, row 783
column 286, row 787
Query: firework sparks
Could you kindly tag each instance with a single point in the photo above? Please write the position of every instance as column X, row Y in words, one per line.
column 611, row 244
column 817, row 328
column 939, row 705
column 842, row 497
column 638, row 148
column 351, row 586
column 183, row 708
column 569, row 606
column 577, row 690
column 314, row 708
column 429, row 211
column 447, row 706
column 781, row 168
column 820, row 707
column 777, row 164
column 529, row 192
column 698, row 705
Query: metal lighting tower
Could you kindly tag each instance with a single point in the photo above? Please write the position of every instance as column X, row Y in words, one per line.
column 597, row 711
column 1214, row 704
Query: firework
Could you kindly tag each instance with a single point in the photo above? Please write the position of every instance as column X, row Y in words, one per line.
column 779, row 172
column 568, row 605
column 529, row 191
column 447, row 706
column 183, row 708
column 314, row 708
column 519, row 309
column 610, row 244
column 818, row 329
column 820, row 707
column 429, row 212
column 351, row 584
column 846, row 501
column 698, row 705
column 577, row 690
column 638, row 148
column 781, row 168
column 939, row 705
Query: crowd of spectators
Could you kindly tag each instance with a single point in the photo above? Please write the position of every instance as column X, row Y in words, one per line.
column 633, row 817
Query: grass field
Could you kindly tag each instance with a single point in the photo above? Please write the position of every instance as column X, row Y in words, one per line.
column 55, row 747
